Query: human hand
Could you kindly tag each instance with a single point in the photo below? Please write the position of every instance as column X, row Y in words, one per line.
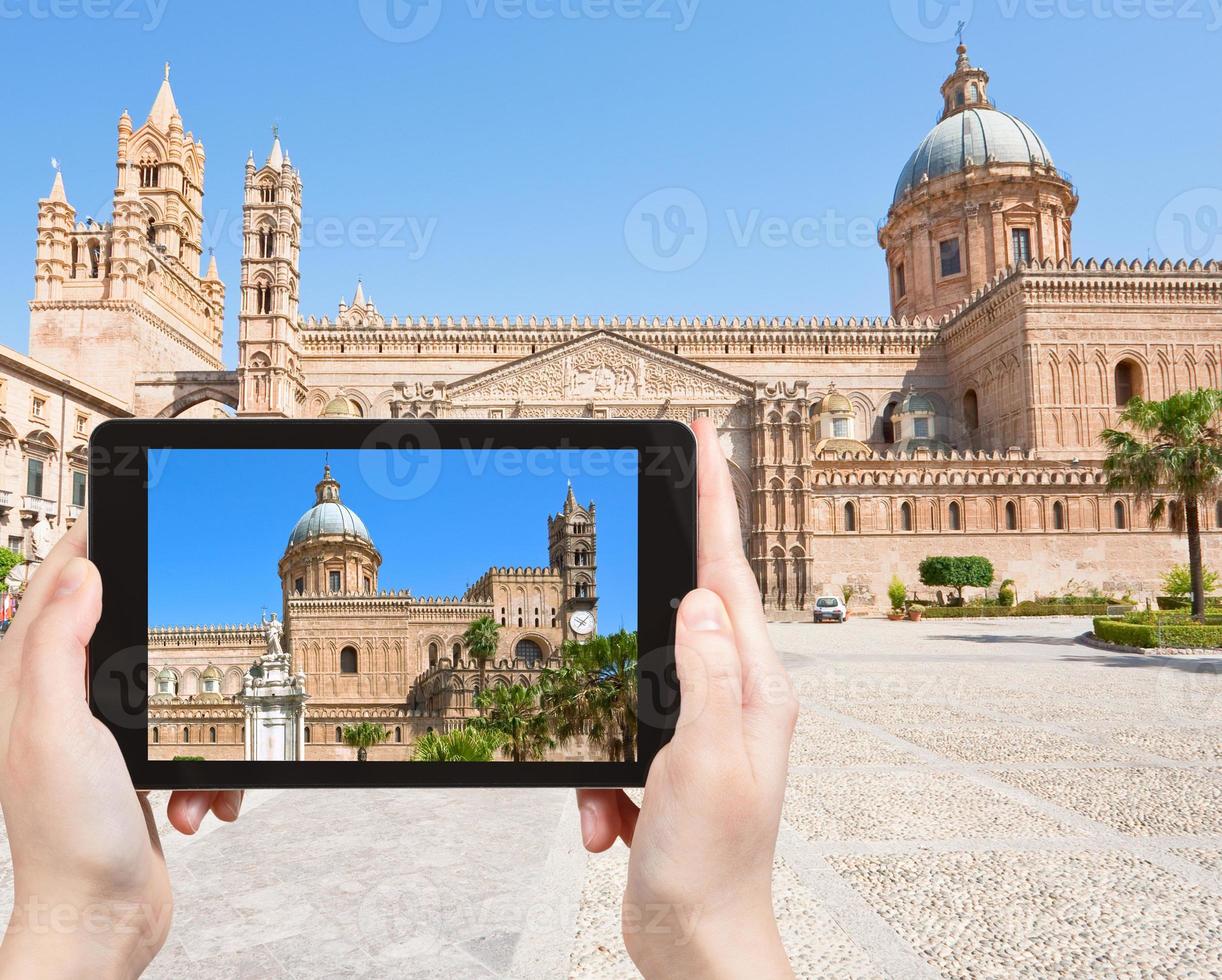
column 699, row 895
column 91, row 892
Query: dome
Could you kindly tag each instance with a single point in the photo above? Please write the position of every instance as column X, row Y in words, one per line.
column 338, row 407
column 166, row 674
column 851, row 446
column 837, row 404
column 211, row 673
column 328, row 516
column 972, row 138
column 916, row 404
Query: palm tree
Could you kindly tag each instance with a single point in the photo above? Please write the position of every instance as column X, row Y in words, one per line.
column 364, row 736
column 459, row 745
column 481, row 640
column 511, row 712
column 1174, row 448
column 594, row 693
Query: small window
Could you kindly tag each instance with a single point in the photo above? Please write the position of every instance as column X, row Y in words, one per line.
column 840, row 428
column 212, row 734
column 456, row 652
column 920, row 428
column 433, row 654
column 850, row 517
column 1128, row 383
column 906, row 516
column 156, row 735
column 971, row 410
column 186, row 735
column 33, row 477
column 956, row 516
column 347, row 660
column 78, row 488
column 82, row 421
column 1121, row 517
column 1011, row 517
column 339, row 734
column 951, row 262
column 299, row 586
column 306, row 733
column 38, row 407
column 1058, row 516
column 1020, row 245
column 333, row 580
column 16, row 543
column 889, row 431
column 398, row 734
column 901, row 281
column 368, row 583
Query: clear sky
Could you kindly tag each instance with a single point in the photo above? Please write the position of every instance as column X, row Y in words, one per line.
column 219, row 521
column 490, row 164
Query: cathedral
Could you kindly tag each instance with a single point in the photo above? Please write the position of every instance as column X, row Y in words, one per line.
column 967, row 421
column 349, row 650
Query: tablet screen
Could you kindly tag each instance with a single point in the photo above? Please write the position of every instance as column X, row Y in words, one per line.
column 373, row 606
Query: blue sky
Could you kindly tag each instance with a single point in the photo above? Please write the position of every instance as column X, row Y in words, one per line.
column 219, row 521
column 490, row 166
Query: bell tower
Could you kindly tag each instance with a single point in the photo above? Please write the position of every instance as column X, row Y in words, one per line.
column 270, row 382
column 571, row 546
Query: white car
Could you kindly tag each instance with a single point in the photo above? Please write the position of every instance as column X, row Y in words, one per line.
column 830, row 609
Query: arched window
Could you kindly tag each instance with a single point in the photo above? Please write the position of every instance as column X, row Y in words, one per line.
column 1120, row 516
column 156, row 735
column 850, row 517
column 148, row 173
column 971, row 411
column 339, row 734
column 76, row 258
column 267, row 239
column 347, row 660
column 456, row 652
column 581, row 558
column 583, row 591
column 95, row 259
column 1058, row 516
column 151, row 232
column 1011, row 517
column 956, row 516
column 905, row 516
column 1175, row 515
column 263, row 298
column 889, row 433
column 1128, row 382
column 267, row 192
column 212, row 734
column 529, row 651
column 307, row 734
column 433, row 653
column 186, row 735
column 398, row 734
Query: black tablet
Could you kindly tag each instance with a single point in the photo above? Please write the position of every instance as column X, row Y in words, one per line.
column 389, row 603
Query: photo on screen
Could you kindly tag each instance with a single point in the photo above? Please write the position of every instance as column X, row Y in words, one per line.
column 392, row 606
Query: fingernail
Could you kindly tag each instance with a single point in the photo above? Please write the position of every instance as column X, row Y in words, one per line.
column 72, row 576
column 589, row 824
column 703, row 612
column 195, row 814
column 230, row 805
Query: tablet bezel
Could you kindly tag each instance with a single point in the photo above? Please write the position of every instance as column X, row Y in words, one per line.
column 118, row 545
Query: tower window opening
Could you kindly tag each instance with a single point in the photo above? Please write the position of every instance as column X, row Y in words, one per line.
column 956, row 516
column 1121, row 517
column 1128, row 383
column 1011, row 517
column 1058, row 516
column 333, row 581
column 347, row 660
column 850, row 517
column 901, row 281
column 1020, row 245
column 906, row 516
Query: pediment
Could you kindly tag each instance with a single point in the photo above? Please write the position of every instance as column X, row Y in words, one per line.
column 602, row 367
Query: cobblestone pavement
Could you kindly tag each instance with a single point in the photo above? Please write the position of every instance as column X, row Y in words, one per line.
column 967, row 800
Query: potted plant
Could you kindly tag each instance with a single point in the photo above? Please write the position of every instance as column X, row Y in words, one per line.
column 849, row 591
column 915, row 612
column 897, row 592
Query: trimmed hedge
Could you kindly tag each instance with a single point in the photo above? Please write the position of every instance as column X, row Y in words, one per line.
column 1194, row 637
column 1022, row 609
column 1171, row 603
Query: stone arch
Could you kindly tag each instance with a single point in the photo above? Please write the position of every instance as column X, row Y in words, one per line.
column 210, row 393
column 742, row 497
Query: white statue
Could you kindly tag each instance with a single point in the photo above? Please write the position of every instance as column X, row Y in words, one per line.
column 42, row 538
column 273, row 629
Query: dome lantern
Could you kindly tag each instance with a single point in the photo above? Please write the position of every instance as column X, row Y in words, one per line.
column 966, row 88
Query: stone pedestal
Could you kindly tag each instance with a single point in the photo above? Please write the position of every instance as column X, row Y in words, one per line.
column 274, row 700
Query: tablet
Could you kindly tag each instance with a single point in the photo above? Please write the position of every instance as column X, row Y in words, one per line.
column 389, row 603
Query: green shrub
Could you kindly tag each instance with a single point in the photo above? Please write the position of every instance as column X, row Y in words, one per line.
column 1186, row 635
column 1022, row 609
column 1006, row 596
column 957, row 572
column 8, row 561
column 897, row 592
column 1175, row 602
column 1178, row 581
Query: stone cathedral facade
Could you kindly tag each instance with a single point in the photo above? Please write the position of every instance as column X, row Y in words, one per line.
column 967, row 420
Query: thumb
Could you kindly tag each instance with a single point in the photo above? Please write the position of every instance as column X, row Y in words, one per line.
column 53, row 651
column 709, row 668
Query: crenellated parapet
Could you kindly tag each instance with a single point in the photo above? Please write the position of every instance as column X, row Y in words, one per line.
column 195, row 636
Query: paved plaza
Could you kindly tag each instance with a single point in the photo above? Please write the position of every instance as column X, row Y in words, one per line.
column 968, row 799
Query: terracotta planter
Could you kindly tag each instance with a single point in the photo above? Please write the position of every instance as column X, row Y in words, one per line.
column 915, row 616
column 896, row 617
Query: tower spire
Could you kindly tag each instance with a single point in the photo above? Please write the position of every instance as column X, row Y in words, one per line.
column 164, row 107
column 967, row 87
